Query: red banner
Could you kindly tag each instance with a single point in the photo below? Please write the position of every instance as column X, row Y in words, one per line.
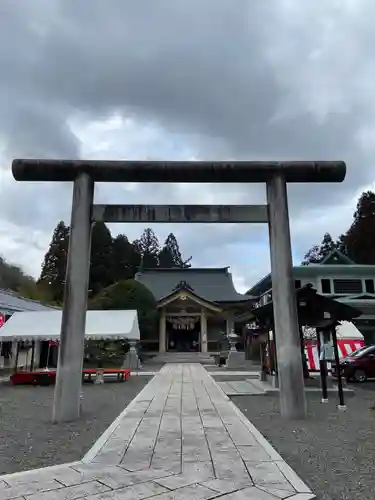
column 345, row 347
column 2, row 319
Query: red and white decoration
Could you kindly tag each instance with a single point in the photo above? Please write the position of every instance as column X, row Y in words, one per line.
column 2, row 319
column 349, row 339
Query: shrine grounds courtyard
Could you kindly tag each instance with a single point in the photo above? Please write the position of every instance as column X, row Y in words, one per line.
column 332, row 452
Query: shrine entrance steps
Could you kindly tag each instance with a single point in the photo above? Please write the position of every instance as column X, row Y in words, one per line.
column 184, row 357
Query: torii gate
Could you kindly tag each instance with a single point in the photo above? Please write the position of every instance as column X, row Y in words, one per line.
column 84, row 173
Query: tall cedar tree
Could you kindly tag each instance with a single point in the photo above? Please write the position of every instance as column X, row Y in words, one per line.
column 170, row 255
column 52, row 277
column 148, row 247
column 317, row 253
column 126, row 258
column 360, row 238
column 101, row 262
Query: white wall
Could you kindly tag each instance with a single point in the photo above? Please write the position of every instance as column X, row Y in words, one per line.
column 316, row 282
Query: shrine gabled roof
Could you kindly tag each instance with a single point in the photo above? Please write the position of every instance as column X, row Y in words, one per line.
column 183, row 289
column 211, row 284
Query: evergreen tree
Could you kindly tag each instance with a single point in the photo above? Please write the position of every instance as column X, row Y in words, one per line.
column 327, row 245
column 101, row 261
column 312, row 256
column 52, row 277
column 166, row 258
column 359, row 239
column 148, row 247
column 170, row 255
column 341, row 245
column 317, row 253
column 126, row 258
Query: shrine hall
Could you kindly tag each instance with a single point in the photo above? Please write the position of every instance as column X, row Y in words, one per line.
column 196, row 307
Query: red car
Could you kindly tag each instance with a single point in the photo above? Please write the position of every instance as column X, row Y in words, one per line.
column 358, row 366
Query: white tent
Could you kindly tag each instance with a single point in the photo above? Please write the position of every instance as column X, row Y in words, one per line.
column 46, row 325
column 347, row 330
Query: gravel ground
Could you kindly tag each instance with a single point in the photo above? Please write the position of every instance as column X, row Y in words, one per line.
column 332, row 451
column 29, row 440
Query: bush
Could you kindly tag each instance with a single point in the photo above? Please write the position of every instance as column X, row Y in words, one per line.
column 130, row 294
column 106, row 353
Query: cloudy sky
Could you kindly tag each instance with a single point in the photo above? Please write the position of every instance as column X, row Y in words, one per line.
column 186, row 79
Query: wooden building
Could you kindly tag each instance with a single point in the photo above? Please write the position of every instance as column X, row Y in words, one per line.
column 197, row 307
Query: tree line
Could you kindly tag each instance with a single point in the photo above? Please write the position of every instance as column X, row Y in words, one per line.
column 113, row 259
column 357, row 243
column 117, row 258
column 13, row 278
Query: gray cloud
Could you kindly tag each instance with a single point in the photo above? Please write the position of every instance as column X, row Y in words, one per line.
column 254, row 80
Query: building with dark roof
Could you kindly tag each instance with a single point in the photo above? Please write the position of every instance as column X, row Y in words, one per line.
column 197, row 306
column 11, row 303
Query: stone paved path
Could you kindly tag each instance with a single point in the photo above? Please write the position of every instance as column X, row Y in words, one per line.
column 180, row 438
column 246, row 387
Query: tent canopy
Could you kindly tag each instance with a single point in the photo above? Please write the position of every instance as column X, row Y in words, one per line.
column 347, row 330
column 46, row 325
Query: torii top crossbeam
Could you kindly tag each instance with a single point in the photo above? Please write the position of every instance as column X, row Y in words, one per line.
column 178, row 171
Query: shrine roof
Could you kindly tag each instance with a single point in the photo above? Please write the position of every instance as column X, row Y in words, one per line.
column 212, row 284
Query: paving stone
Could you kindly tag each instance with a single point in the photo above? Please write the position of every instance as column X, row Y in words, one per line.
column 268, row 474
column 303, row 496
column 251, row 493
column 71, row 492
column 109, row 457
column 282, row 494
column 135, row 492
column 28, row 488
column 177, row 481
column 195, row 454
column 62, row 474
column 117, row 477
column 242, row 387
column 198, row 470
column 254, row 454
column 225, row 387
column 226, row 485
column 112, row 476
column 292, row 477
column 196, row 492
